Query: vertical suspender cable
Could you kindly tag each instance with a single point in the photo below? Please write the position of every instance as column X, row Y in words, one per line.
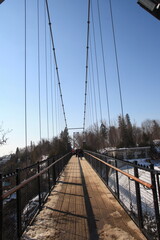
column 39, row 78
column 94, row 91
column 46, row 65
column 91, row 97
column 116, row 55
column 94, row 38
column 86, row 78
column 51, row 87
column 55, row 94
column 104, row 68
column 55, row 59
column 58, row 113
column 25, row 70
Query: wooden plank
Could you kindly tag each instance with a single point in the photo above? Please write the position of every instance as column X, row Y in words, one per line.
column 85, row 209
column 107, row 210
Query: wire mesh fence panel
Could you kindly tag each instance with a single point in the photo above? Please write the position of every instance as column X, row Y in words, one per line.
column 112, row 176
column 148, row 206
column 127, row 188
column 148, row 213
column 29, row 202
column 50, row 174
column 29, row 197
column 9, row 218
column 9, row 208
column 44, row 181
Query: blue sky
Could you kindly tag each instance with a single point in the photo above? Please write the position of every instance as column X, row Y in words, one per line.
column 137, row 38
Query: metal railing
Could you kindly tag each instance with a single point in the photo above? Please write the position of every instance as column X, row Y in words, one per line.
column 23, row 193
column 137, row 188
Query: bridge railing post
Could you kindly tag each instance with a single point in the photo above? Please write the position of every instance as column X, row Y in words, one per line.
column 91, row 161
column 96, row 164
column 1, row 206
column 117, row 180
column 157, row 176
column 49, row 185
column 54, row 174
column 57, row 168
column 101, row 168
column 138, row 197
column 39, row 185
column 19, row 217
column 155, row 199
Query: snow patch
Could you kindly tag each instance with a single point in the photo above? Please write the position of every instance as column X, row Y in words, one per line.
column 113, row 233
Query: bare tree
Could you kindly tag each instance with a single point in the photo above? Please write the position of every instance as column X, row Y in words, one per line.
column 3, row 135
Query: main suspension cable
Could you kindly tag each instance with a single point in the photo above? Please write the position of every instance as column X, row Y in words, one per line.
column 55, row 59
column 116, row 55
column 104, row 65
column 86, row 77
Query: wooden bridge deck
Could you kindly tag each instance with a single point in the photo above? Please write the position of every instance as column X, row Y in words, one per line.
column 81, row 208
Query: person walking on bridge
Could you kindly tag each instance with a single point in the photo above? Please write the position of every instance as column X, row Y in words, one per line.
column 80, row 153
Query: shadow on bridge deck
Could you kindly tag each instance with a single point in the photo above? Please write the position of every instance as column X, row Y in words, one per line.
column 81, row 208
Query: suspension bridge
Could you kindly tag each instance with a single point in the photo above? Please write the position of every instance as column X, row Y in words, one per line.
column 64, row 196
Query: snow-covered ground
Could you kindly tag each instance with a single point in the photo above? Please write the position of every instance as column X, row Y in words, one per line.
column 5, row 159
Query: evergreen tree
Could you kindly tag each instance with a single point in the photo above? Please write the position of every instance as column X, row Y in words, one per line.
column 103, row 135
column 155, row 130
column 129, row 141
column 113, row 137
column 122, row 132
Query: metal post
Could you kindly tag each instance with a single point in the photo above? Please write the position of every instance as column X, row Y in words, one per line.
column 19, row 219
column 90, row 159
column 57, row 168
column 54, row 174
column 101, row 168
column 117, row 180
column 107, row 173
column 49, row 185
column 95, row 164
column 62, row 164
column 1, row 206
column 138, row 197
column 39, row 186
column 155, row 199
column 157, row 175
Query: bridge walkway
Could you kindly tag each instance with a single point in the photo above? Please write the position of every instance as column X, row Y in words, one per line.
column 81, row 207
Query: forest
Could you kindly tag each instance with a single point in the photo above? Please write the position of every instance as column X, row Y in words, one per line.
column 123, row 133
